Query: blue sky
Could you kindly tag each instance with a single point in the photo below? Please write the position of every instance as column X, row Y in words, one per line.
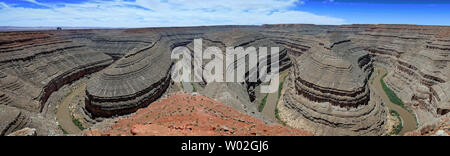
column 161, row 13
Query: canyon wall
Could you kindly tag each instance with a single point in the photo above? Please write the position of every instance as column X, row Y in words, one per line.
column 326, row 91
column 415, row 56
column 417, row 59
column 141, row 76
column 35, row 64
column 328, row 94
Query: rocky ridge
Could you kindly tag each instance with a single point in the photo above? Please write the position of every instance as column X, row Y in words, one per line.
column 186, row 115
column 326, row 91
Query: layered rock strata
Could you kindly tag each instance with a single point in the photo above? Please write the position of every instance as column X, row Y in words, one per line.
column 246, row 39
column 115, row 43
column 417, row 58
column 328, row 92
column 136, row 80
column 35, row 64
column 14, row 119
column 327, row 88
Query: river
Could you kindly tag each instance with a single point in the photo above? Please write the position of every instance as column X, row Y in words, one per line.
column 408, row 120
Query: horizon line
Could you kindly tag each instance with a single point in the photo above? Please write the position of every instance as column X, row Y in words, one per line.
column 43, row 28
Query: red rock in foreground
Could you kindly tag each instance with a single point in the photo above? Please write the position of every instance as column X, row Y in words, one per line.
column 186, row 115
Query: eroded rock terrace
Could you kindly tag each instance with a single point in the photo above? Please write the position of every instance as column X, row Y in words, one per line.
column 326, row 91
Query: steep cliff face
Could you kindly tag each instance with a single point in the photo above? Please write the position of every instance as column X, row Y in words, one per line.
column 242, row 96
column 14, row 119
column 326, row 91
column 416, row 56
column 143, row 75
column 35, row 64
column 137, row 79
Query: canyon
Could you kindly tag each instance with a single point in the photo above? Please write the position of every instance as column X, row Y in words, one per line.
column 129, row 88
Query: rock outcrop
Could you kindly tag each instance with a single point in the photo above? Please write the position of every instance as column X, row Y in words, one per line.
column 12, row 120
column 242, row 96
column 416, row 56
column 35, row 64
column 24, row 132
column 186, row 115
column 143, row 75
column 441, row 97
column 328, row 91
column 137, row 79
column 440, row 128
